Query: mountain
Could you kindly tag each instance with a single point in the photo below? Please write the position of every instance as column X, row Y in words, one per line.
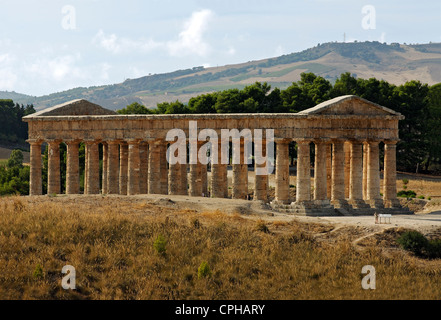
column 395, row 63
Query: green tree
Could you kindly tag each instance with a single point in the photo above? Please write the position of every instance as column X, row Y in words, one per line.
column 135, row 108
column 16, row 159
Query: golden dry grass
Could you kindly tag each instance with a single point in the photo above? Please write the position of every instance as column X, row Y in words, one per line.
column 110, row 243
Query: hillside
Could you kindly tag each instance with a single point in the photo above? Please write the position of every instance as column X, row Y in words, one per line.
column 394, row 63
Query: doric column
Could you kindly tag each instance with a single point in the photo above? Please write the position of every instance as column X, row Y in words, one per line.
column 144, row 168
column 35, row 183
column 282, row 171
column 219, row 181
column 105, row 171
column 195, row 183
column 72, row 168
column 303, row 185
column 133, row 168
column 123, row 167
column 154, row 167
column 329, row 170
column 53, row 171
column 240, row 174
column 347, row 149
column 373, row 175
column 163, row 167
column 356, row 175
column 93, row 168
column 204, row 180
column 390, row 175
column 320, row 178
column 338, row 174
column 174, row 179
column 260, row 181
column 365, row 170
column 183, row 183
column 113, row 167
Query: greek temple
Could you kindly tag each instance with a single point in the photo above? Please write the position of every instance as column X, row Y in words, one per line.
column 337, row 168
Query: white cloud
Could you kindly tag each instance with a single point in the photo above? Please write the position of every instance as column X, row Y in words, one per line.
column 191, row 37
column 8, row 77
column 118, row 45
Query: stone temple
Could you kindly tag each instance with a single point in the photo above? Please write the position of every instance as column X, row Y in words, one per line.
column 345, row 136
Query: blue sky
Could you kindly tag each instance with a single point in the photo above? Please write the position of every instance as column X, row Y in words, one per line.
column 48, row 46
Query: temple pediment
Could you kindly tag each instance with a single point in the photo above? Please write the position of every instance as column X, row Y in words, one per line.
column 79, row 107
column 350, row 105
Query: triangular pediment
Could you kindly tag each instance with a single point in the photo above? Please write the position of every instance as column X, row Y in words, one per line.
column 79, row 107
column 350, row 105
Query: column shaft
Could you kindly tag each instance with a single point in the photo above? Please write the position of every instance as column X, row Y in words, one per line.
column 93, row 182
column 72, row 168
column 133, row 169
column 303, row 185
column 144, row 168
column 164, row 168
column 123, row 167
column 282, row 171
column 240, row 175
column 320, row 179
column 329, row 170
column 35, row 183
column 373, row 175
column 54, row 183
column 356, row 175
column 104, row 185
column 390, row 175
column 154, row 168
column 113, row 168
column 347, row 150
column 261, row 181
column 338, row 175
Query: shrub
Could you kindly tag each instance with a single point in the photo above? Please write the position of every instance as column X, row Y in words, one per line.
column 434, row 248
column 413, row 241
column 406, row 194
column 421, row 197
column 261, row 226
column 38, row 272
column 160, row 244
column 204, row 270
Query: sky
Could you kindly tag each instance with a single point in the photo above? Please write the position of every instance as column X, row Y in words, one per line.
column 49, row 46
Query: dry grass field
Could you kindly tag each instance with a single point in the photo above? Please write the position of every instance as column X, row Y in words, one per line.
column 110, row 241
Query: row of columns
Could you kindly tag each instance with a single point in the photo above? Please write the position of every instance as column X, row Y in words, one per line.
column 133, row 167
column 345, row 172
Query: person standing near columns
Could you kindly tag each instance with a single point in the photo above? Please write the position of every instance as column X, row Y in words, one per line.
column 282, row 171
column 35, row 182
column 72, row 168
column 53, row 171
column 390, row 175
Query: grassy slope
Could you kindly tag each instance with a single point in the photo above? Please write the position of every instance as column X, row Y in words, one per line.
column 110, row 243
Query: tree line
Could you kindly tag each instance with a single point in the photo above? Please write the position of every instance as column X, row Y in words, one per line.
column 418, row 151
column 12, row 128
